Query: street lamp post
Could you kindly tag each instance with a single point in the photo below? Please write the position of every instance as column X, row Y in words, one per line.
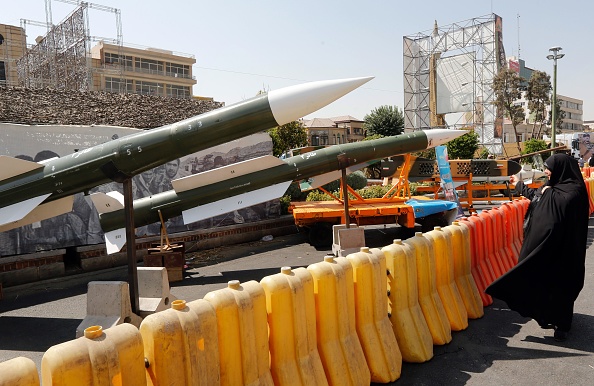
column 554, row 56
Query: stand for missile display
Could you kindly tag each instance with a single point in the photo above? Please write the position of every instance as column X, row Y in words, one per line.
column 131, row 244
column 318, row 217
column 167, row 255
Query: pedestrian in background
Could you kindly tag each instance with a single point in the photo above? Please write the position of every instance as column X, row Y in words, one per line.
column 551, row 267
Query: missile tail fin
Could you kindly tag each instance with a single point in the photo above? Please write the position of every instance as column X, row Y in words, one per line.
column 19, row 210
column 12, row 167
column 115, row 240
column 27, row 212
column 107, row 202
column 322, row 179
column 239, row 201
column 223, row 173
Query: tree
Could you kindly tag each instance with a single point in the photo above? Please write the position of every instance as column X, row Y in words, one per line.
column 537, row 95
column 385, row 121
column 287, row 137
column 506, row 86
column 464, row 146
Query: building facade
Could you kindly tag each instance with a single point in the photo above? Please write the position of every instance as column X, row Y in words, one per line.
column 107, row 67
column 571, row 108
column 149, row 71
column 334, row 131
column 12, row 46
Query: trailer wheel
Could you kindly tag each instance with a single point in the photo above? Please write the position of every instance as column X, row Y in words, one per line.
column 320, row 235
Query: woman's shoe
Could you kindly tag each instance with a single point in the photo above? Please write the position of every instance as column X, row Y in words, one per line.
column 560, row 335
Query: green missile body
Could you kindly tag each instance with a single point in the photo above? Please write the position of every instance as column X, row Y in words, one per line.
column 31, row 191
column 247, row 183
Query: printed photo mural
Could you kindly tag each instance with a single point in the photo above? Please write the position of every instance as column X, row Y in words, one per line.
column 81, row 226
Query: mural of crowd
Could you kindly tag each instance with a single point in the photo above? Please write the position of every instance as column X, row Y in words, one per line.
column 81, row 226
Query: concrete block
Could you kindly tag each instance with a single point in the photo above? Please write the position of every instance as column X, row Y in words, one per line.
column 108, row 304
column 347, row 240
column 153, row 290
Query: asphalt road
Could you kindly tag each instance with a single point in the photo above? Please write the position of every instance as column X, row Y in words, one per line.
column 500, row 348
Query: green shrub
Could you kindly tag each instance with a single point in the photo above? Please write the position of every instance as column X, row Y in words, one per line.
column 318, row 195
column 285, row 201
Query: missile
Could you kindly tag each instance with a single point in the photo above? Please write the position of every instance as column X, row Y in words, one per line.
column 32, row 191
column 251, row 182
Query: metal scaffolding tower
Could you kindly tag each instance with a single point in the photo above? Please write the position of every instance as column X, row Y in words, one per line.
column 480, row 37
column 61, row 58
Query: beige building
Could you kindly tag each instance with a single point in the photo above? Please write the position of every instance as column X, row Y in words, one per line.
column 107, row 67
column 148, row 71
column 12, row 46
column 334, row 131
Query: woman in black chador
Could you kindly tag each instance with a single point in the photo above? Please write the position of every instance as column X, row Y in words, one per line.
column 550, row 271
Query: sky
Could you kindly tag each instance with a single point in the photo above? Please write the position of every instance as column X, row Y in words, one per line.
column 242, row 47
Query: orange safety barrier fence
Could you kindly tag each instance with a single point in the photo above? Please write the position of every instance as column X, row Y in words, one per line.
column 480, row 267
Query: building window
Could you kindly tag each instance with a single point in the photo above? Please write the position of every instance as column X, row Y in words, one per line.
column 2, row 72
column 148, row 65
column 118, row 85
column 315, row 140
column 175, row 91
column 115, row 59
column 149, row 88
column 177, row 70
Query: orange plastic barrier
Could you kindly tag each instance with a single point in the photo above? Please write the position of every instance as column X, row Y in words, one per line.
column 373, row 326
column 290, row 303
column 445, row 279
column 489, row 235
column 18, row 371
column 188, row 333
column 480, row 267
column 113, row 356
column 433, row 310
column 459, row 234
column 338, row 344
column 511, row 229
column 408, row 322
column 501, row 244
column 590, row 186
column 243, row 333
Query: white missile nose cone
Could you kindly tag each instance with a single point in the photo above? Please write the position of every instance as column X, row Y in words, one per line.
column 437, row 137
column 294, row 102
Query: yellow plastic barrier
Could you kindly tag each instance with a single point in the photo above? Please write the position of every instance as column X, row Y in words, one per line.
column 408, row 323
column 243, row 333
column 431, row 304
column 294, row 357
column 101, row 357
column 460, row 237
column 19, row 371
column 181, row 345
column 373, row 326
column 338, row 344
column 445, row 281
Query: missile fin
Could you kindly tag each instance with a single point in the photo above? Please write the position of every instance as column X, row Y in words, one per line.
column 239, row 201
column 223, row 173
column 39, row 212
column 14, row 166
column 17, row 211
column 107, row 202
column 322, row 179
column 115, row 240
column 319, row 180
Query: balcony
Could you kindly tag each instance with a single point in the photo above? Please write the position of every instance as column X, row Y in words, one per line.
column 116, row 68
